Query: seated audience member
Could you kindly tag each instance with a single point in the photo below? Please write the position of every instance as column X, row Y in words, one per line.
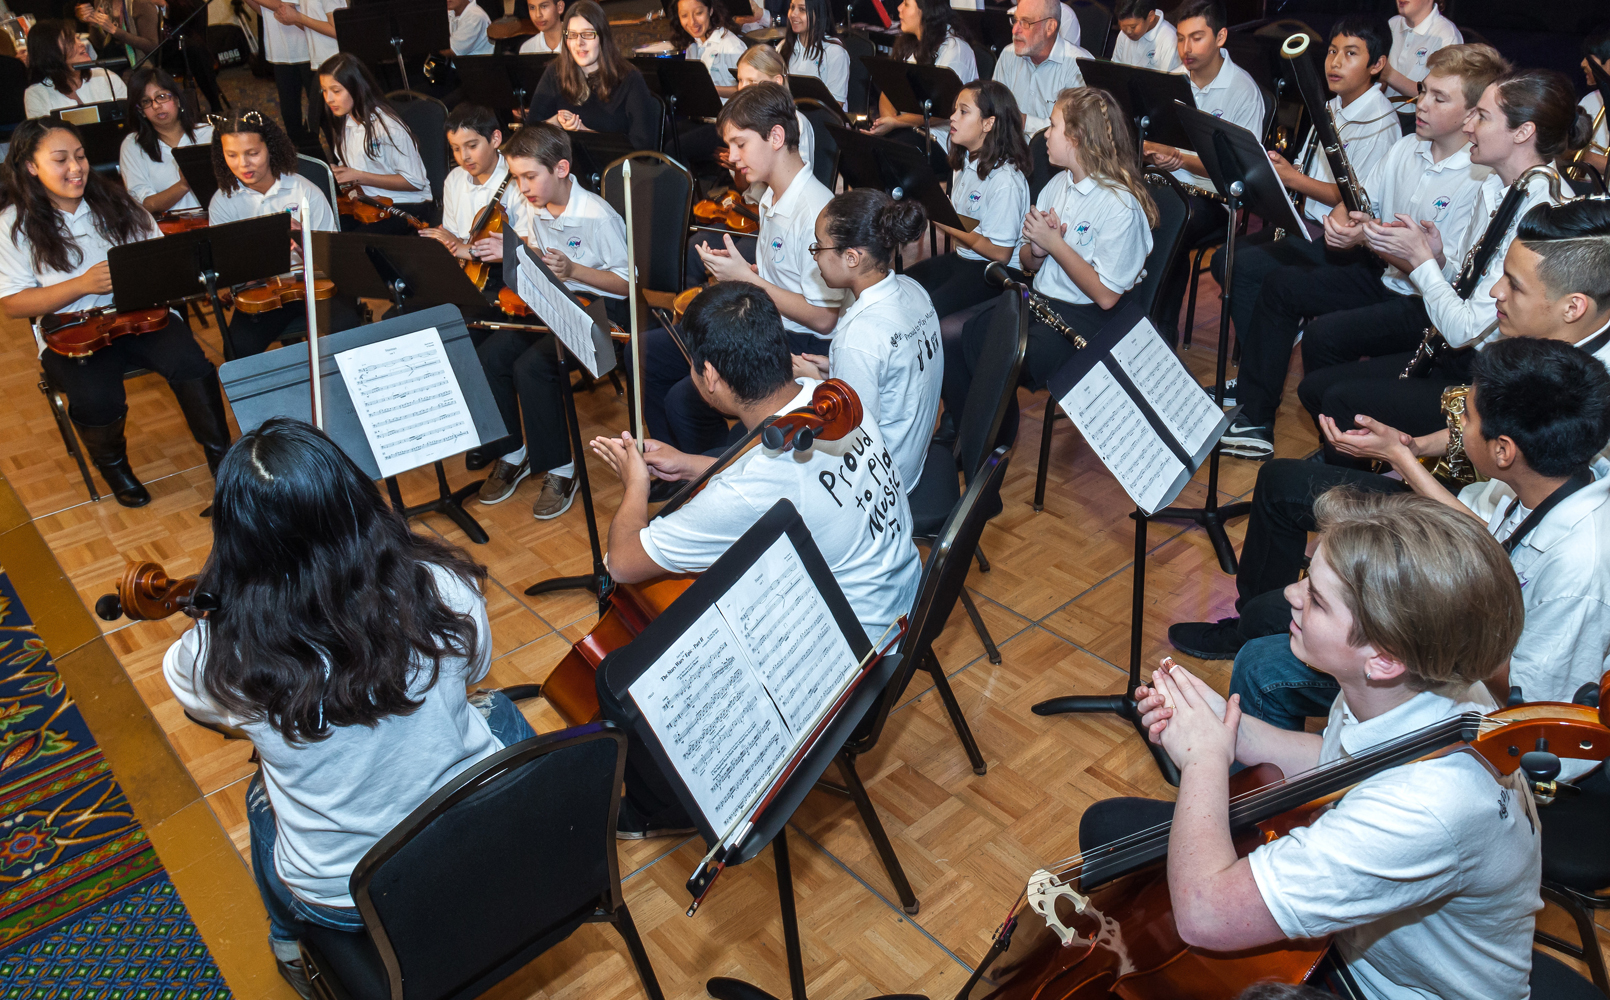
column 742, row 366
column 1556, row 286
column 377, row 153
column 1145, row 38
column 582, row 240
column 1086, row 239
column 929, row 36
column 1427, row 177
column 591, row 87
column 1523, row 120
column 1418, row 30
column 355, row 705
column 161, row 124
column 1596, row 68
column 809, row 48
column 54, row 48
column 886, row 343
column 466, row 28
column 1425, row 874
column 481, row 177
column 1225, row 90
column 548, row 17
column 989, row 160
column 1040, row 65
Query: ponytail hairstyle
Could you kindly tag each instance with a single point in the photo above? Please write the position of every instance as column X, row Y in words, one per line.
column 281, row 153
column 937, row 24
column 1096, row 123
column 613, row 68
column 330, row 610
column 50, row 44
column 868, row 219
column 118, row 217
column 380, row 123
column 720, row 17
column 1005, row 143
column 1545, row 98
column 818, row 18
column 146, row 133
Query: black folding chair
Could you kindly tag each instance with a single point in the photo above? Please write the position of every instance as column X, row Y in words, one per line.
column 1576, row 872
column 670, row 188
column 426, row 117
column 825, row 154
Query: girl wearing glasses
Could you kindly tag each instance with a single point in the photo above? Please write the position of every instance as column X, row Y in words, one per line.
column 592, row 88
column 809, row 50
column 53, row 48
column 375, row 150
column 162, row 124
column 60, row 220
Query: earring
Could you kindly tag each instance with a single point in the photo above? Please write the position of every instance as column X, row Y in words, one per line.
column 1366, row 673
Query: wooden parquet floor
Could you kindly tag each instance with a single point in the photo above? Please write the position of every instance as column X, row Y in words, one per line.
column 1056, row 601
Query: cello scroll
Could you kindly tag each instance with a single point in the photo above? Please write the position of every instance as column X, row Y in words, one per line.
column 147, row 593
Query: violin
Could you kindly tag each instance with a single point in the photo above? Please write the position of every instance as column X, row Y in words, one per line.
column 731, row 211
column 511, row 303
column 684, row 298
column 80, row 334
column 281, row 291
column 572, row 687
column 182, row 222
column 368, row 209
column 490, row 223
column 147, row 593
column 1105, row 928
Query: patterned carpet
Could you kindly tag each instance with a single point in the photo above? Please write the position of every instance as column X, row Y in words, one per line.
column 86, row 909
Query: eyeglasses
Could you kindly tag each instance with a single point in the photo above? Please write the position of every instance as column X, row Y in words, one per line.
column 586, row 36
column 1018, row 22
column 816, row 248
column 161, row 97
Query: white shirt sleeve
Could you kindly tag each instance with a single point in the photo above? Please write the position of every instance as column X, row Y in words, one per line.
column 16, row 269
column 1003, row 203
column 957, row 56
column 862, row 371
column 836, row 71
column 611, row 241
column 182, row 672
column 691, row 539
column 36, row 100
column 469, row 32
column 132, row 165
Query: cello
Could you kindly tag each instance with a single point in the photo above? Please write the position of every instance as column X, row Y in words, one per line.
column 834, row 411
column 1103, row 926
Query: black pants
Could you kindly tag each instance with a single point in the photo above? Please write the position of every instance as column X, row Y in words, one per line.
column 1208, row 217
column 1257, row 256
column 1328, row 293
column 391, row 225
column 253, row 333
column 522, row 369
column 953, row 282
column 1047, row 351
column 1373, row 388
column 695, row 273
column 293, row 80
column 94, row 385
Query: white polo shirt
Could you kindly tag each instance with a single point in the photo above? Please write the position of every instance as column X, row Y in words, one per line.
column 284, row 195
column 535, row 45
column 589, row 231
column 832, row 68
column 999, row 202
column 1601, row 134
column 466, row 31
column 719, row 52
column 1369, row 130
column 851, row 496
column 97, row 87
column 1406, row 181
column 17, row 273
column 1232, row 95
column 886, row 345
column 394, row 152
column 1426, row 874
column 957, row 56
column 1106, row 226
column 322, row 48
column 1462, row 321
column 1411, row 47
column 1157, row 49
column 463, row 199
column 285, row 44
column 1036, row 87
column 145, row 177
column 782, row 247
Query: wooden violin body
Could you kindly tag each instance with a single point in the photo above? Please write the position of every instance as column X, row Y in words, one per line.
column 78, row 335
column 281, row 291
column 511, row 303
column 182, row 222
column 493, row 219
column 147, row 593
column 366, row 209
column 730, row 211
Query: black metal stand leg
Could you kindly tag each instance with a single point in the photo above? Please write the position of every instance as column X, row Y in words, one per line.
column 597, row 583
column 1123, row 705
column 723, row 988
column 1045, row 453
column 979, row 627
column 964, row 732
column 448, row 501
column 875, row 830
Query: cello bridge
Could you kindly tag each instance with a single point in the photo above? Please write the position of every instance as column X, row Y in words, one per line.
column 1042, row 894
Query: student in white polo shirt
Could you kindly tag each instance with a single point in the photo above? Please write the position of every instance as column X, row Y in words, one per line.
column 1040, row 65
column 286, row 48
column 481, row 177
column 1145, row 38
column 886, row 344
column 53, row 49
column 1418, row 30
column 375, row 150
column 706, row 32
column 1424, row 875
column 466, row 28
column 1224, row 90
column 161, row 125
column 548, row 18
column 849, row 492
column 809, row 48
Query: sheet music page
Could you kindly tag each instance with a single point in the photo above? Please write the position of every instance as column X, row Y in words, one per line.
column 408, row 400
column 569, row 322
column 790, row 635
column 1122, row 438
column 713, row 717
column 1187, row 411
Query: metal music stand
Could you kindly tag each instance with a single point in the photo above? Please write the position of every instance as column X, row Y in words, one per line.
column 814, row 88
column 489, row 81
column 686, row 86
column 1147, row 97
column 872, row 161
column 396, row 29
column 593, row 152
column 195, row 166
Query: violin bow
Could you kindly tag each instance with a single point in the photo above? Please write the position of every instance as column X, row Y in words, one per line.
column 312, row 318
column 631, row 299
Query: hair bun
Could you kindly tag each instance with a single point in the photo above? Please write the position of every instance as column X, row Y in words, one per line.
column 901, row 221
column 1581, row 131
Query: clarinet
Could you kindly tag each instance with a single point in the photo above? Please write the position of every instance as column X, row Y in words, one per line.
column 1325, row 131
column 1039, row 305
column 1432, row 344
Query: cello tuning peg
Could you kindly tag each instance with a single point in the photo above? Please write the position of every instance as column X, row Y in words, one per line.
column 1540, row 766
column 108, row 608
column 804, row 438
column 773, row 438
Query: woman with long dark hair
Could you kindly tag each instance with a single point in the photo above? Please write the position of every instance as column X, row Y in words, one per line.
column 929, row 36
column 375, row 150
column 133, row 24
column 705, row 30
column 161, row 124
column 53, row 48
column 809, row 48
column 342, row 644
column 59, row 221
column 591, row 87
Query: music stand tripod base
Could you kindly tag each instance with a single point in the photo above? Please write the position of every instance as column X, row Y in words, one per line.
column 448, row 501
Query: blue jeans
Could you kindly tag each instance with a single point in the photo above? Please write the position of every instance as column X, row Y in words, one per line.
column 1277, row 687
column 288, row 915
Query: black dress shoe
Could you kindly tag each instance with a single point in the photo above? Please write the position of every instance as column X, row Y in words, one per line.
column 108, row 450
column 1219, row 640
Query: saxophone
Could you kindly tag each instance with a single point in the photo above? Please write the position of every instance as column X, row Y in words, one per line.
column 1455, row 464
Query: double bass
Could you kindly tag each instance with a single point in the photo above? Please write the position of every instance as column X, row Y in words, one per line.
column 1102, row 925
